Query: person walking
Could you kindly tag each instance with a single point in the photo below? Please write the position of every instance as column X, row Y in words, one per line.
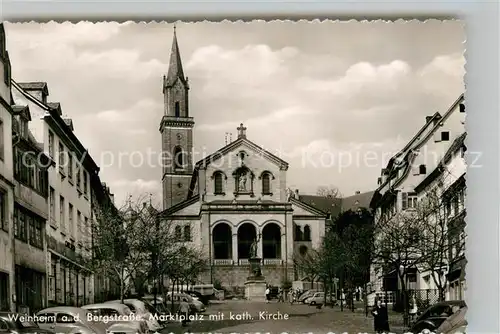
column 380, row 317
column 184, row 311
column 268, row 294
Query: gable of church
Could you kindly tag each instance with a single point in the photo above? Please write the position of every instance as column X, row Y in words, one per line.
column 305, row 210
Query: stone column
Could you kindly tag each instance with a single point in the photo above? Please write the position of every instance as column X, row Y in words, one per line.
column 283, row 245
column 234, row 245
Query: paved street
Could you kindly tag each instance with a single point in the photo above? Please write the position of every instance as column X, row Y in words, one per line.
column 301, row 319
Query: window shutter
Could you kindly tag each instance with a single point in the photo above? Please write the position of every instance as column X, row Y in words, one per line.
column 405, row 200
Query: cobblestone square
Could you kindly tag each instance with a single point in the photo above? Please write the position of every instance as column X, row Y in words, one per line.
column 297, row 318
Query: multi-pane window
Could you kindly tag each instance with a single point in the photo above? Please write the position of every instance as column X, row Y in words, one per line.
column 61, row 157
column 28, row 171
column 78, row 222
column 70, row 219
column 52, row 200
column 62, row 216
column 51, row 144
column 410, row 201
column 28, row 227
column 70, row 166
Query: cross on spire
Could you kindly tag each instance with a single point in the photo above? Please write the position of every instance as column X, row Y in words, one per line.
column 242, row 131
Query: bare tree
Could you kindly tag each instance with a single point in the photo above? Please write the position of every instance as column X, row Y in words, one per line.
column 397, row 246
column 328, row 191
column 308, row 264
column 443, row 240
column 113, row 243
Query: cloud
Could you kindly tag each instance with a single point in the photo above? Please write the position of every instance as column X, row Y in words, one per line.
column 131, row 115
column 278, row 116
column 297, row 87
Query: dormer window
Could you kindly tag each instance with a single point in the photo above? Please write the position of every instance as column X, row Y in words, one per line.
column 462, row 107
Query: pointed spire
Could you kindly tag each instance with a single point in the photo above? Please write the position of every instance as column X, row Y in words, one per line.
column 175, row 70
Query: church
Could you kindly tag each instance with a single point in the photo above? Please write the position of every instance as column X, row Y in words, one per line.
column 236, row 195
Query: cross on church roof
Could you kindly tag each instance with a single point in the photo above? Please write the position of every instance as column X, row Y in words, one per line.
column 242, row 131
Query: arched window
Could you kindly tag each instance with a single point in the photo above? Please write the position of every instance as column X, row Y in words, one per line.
column 178, row 233
column 177, row 109
column 187, row 233
column 307, row 233
column 266, row 184
column 178, row 158
column 298, row 233
column 218, row 183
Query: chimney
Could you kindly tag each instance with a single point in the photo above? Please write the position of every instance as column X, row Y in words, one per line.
column 39, row 90
column 144, row 204
column 112, row 197
column 297, row 193
column 357, row 192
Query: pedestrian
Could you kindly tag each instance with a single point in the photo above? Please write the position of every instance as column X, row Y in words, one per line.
column 184, row 312
column 358, row 293
column 380, row 317
column 280, row 296
column 268, row 294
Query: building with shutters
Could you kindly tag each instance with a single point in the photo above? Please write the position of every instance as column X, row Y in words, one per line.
column 66, row 196
column 409, row 176
column 7, row 266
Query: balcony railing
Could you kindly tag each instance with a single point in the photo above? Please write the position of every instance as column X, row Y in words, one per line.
column 243, row 262
column 223, row 262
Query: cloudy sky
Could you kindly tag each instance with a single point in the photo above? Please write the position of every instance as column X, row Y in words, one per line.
column 335, row 100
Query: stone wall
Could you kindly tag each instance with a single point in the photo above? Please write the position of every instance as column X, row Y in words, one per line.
column 232, row 277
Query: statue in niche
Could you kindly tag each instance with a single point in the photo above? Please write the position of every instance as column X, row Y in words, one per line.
column 243, row 181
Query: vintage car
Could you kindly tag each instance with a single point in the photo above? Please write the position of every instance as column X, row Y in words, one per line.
column 68, row 320
column 435, row 315
column 139, row 309
column 11, row 323
column 105, row 312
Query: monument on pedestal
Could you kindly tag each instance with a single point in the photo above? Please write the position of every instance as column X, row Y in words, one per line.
column 255, row 286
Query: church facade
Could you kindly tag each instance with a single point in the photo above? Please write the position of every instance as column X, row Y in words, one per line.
column 235, row 196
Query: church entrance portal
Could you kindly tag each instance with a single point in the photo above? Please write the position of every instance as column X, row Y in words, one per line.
column 222, row 239
column 246, row 235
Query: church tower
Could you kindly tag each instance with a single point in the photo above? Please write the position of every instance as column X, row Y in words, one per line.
column 176, row 130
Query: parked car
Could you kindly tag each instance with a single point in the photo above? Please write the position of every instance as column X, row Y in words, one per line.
column 160, row 312
column 195, row 305
column 455, row 323
column 319, row 299
column 111, row 310
column 205, row 299
column 139, row 309
column 157, row 303
column 305, row 295
column 11, row 323
column 68, row 320
column 435, row 315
